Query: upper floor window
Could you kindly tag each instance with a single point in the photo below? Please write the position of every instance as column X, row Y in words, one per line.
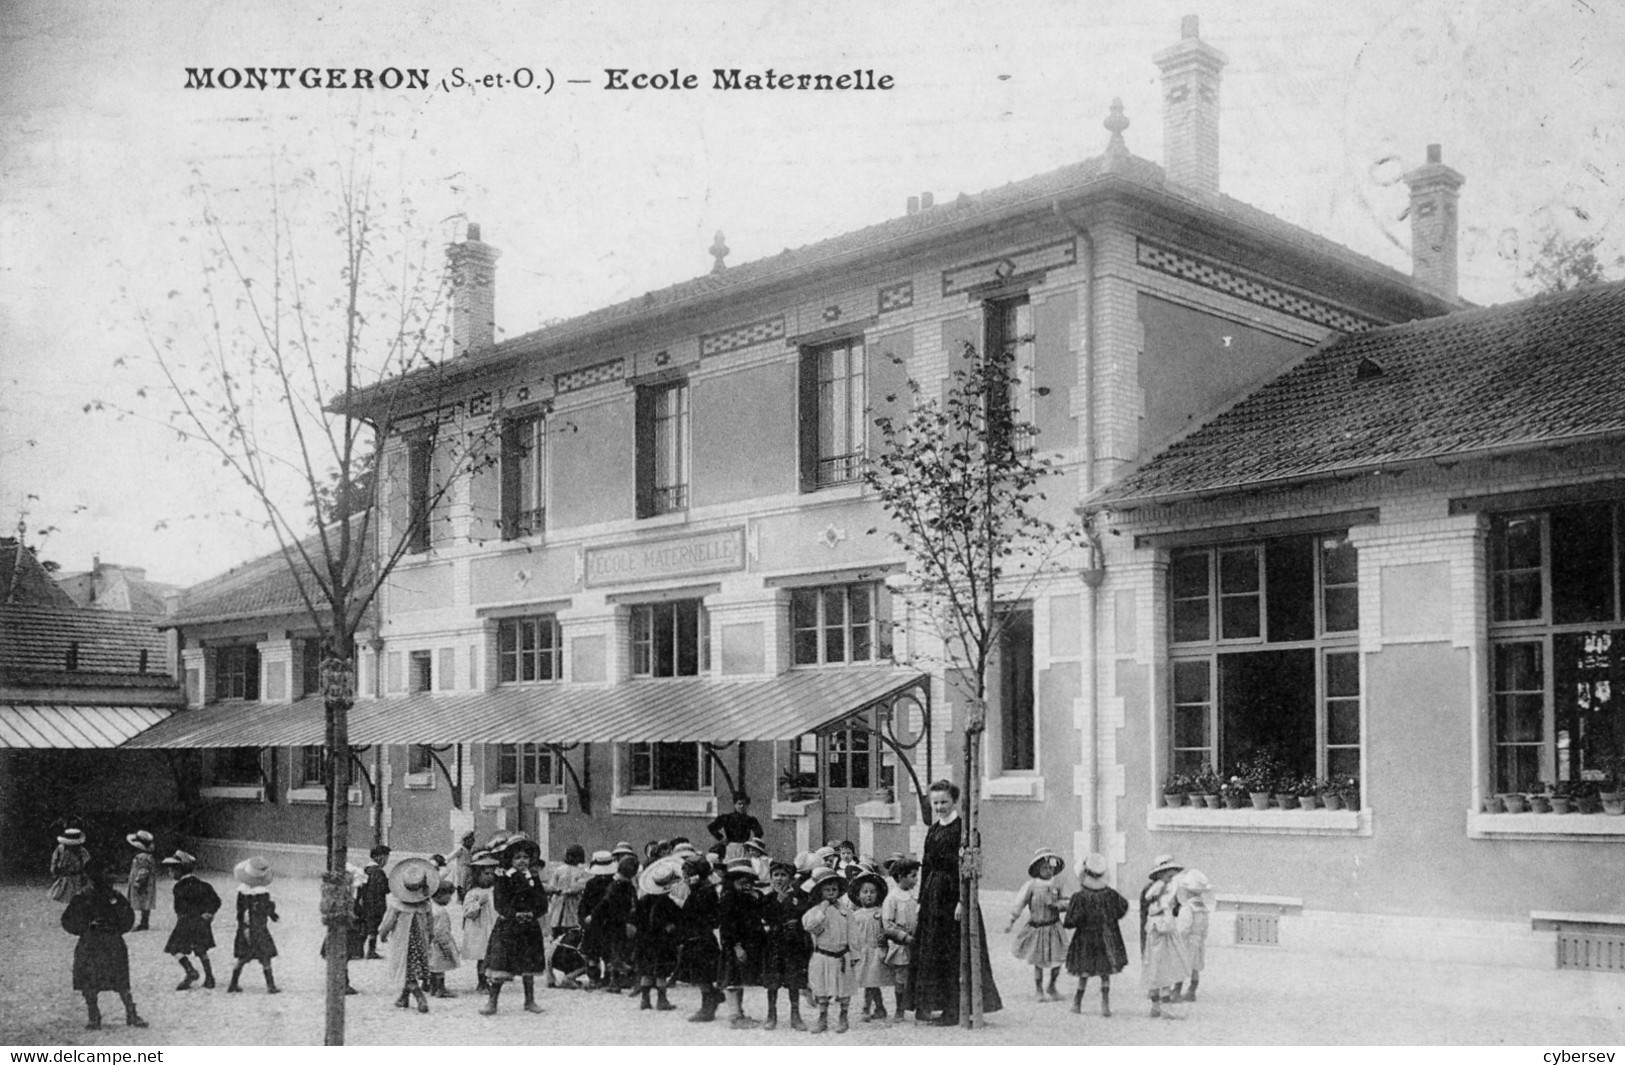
column 662, row 449
column 528, row 764
column 1009, row 337
column 669, row 767
column 419, row 759
column 310, row 666
column 420, row 671
column 419, row 494
column 833, row 424
column 837, row 623
column 1557, row 644
column 670, row 639
column 528, row 649
column 310, row 768
column 524, row 477
column 1018, row 725
column 237, row 672
column 237, row 766
column 1264, row 642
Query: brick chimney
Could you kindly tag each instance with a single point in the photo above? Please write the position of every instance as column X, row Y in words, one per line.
column 1190, row 109
column 1433, row 223
column 473, row 266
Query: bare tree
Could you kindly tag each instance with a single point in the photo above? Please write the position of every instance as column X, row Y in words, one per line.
column 961, row 481
column 312, row 349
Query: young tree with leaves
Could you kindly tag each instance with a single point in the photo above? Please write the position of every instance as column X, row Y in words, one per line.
column 962, row 482
column 262, row 368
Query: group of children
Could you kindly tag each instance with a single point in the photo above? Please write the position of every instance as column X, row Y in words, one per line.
column 822, row 927
column 1174, row 908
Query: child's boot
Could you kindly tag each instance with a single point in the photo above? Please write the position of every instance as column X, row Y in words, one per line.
column 661, row 1001
column 142, row 927
column 1106, row 1001
column 132, row 1019
column 482, row 983
column 493, row 991
column 191, row 975
column 1156, row 1004
column 772, row 1021
column 738, row 1019
column 529, row 983
column 821, row 1025
column 420, row 999
column 1077, row 1001
column 1190, row 995
column 879, row 1012
column 93, row 1012
column 708, row 1007
column 1038, row 984
column 643, row 998
column 405, row 998
column 270, row 982
column 795, row 1013
column 840, row 1023
column 1054, row 995
column 208, row 971
column 236, row 974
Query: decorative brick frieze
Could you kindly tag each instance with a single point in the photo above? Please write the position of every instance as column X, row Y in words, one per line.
column 742, row 336
column 1016, row 264
column 894, row 297
column 1209, row 274
column 597, row 374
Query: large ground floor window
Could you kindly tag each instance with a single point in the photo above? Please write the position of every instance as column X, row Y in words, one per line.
column 669, row 767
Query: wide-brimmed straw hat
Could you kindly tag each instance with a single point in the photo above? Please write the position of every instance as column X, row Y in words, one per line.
column 740, row 867
column 660, row 876
column 623, row 849
column 483, row 860
column 180, row 857
column 1163, row 862
column 521, row 842
column 414, row 880
column 603, row 864
column 1044, row 854
column 141, row 841
column 755, row 843
column 72, row 837
column 1192, row 882
column 1095, row 866
column 820, row 876
column 868, row 877
column 254, row 872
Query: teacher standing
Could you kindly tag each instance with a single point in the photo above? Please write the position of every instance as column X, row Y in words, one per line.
column 936, row 958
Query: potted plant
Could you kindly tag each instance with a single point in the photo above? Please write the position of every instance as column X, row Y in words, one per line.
column 1329, row 796
column 1207, row 785
column 1562, row 796
column 1259, row 772
column 1174, row 789
column 1348, row 790
column 1309, row 789
column 1540, row 798
column 796, row 786
column 1610, row 792
column 1584, row 794
column 1232, row 792
column 1514, row 802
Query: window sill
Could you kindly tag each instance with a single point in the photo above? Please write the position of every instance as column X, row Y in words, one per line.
column 318, row 795
column 419, row 781
column 1019, row 789
column 550, row 802
column 1260, row 822
column 1544, row 826
column 234, row 792
column 659, row 803
column 790, row 809
column 662, row 519
column 496, row 800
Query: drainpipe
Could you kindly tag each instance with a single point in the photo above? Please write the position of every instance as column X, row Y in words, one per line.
column 1096, row 557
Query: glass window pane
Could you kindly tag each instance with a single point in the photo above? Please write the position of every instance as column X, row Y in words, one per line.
column 1239, row 617
column 806, row 647
column 1342, row 675
column 1582, row 563
column 1192, row 682
column 1343, row 764
column 1238, row 570
column 1520, row 543
column 1339, row 561
column 1289, row 582
column 1188, row 575
column 804, row 608
column 1342, row 722
column 1520, row 718
column 1517, row 767
column 1190, row 726
column 1342, row 609
column 1190, row 620
column 1518, row 667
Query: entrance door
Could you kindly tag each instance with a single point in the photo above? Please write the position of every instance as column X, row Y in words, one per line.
column 849, row 765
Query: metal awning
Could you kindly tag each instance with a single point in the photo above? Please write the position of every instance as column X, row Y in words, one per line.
column 81, row 726
column 697, row 709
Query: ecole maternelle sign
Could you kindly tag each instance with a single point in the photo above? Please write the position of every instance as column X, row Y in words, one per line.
column 681, row 556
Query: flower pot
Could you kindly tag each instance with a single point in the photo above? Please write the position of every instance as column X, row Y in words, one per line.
column 1561, row 804
column 1213, row 802
column 1308, row 802
column 1540, row 804
column 1492, row 805
column 1285, row 801
column 1613, row 802
column 1331, row 802
column 1261, row 799
column 1587, row 804
column 1513, row 801
column 1232, row 801
column 1170, row 798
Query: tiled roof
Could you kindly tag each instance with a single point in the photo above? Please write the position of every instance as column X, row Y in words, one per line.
column 35, row 640
column 24, row 580
column 264, row 587
column 668, row 711
column 1539, row 372
column 1114, row 168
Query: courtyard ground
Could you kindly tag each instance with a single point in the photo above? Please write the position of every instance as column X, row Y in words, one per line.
column 1249, row 995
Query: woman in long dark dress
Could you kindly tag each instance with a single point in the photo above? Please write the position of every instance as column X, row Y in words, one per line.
column 100, row 916
column 936, row 955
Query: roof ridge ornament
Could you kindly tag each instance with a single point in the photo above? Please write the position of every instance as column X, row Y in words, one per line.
column 1116, row 122
column 719, row 251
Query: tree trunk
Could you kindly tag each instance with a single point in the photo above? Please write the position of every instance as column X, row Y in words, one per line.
column 972, row 881
column 337, row 911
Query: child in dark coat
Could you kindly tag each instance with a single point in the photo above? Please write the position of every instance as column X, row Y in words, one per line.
column 373, row 899
column 788, row 946
column 606, row 941
column 196, row 903
column 518, row 946
column 100, row 916
column 255, row 911
column 743, row 934
column 1097, row 941
column 659, row 923
column 698, row 955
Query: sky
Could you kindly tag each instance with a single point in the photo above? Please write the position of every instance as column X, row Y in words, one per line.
column 595, row 195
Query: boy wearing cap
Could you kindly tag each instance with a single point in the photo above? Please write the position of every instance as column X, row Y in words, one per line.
column 788, row 946
column 373, row 899
column 744, row 940
column 196, row 903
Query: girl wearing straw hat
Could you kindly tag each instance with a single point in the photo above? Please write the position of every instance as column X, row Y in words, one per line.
column 518, row 946
column 1040, row 942
column 479, row 915
column 867, row 891
column 143, row 882
column 196, row 903
column 1094, row 914
column 1163, row 961
column 659, row 922
column 100, row 916
column 255, row 911
column 412, row 883
column 68, row 865
column 830, row 972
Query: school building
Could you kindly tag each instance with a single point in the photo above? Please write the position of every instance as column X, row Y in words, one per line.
column 1348, row 530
